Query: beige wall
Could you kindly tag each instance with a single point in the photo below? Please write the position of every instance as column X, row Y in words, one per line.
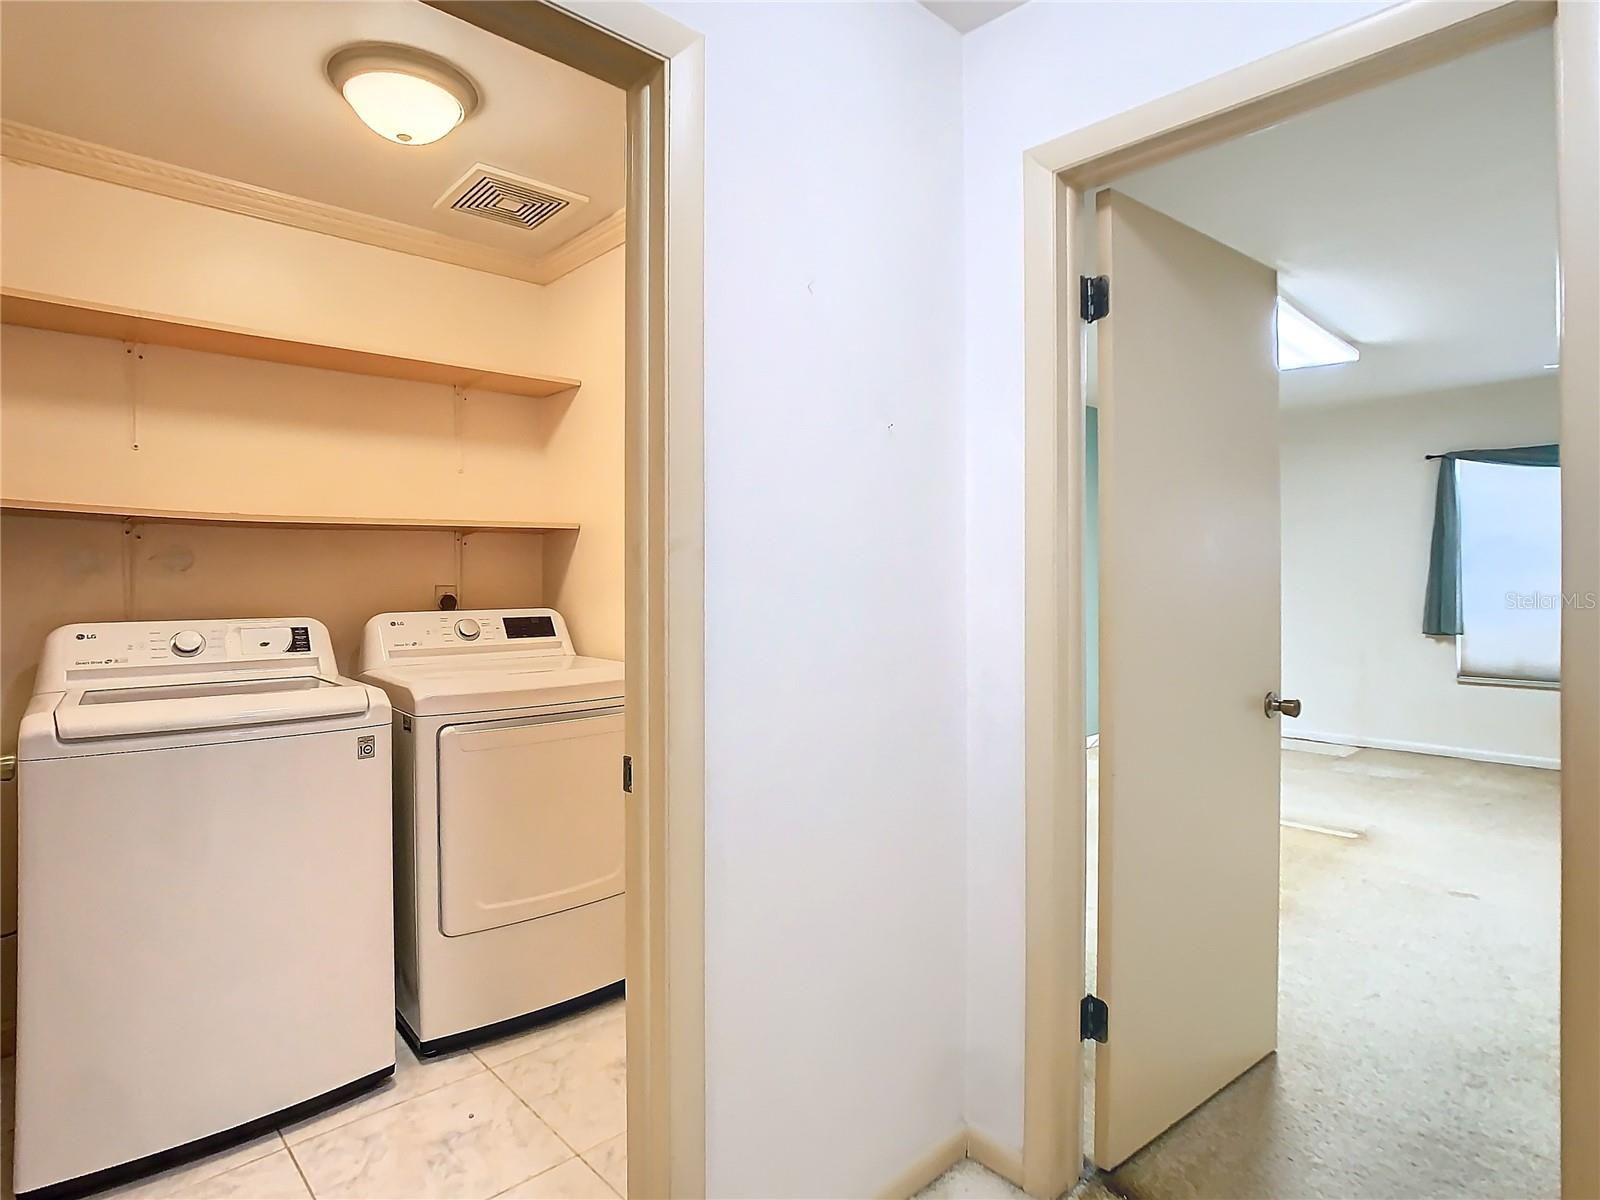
column 219, row 433
column 1358, row 502
column 80, row 238
column 226, row 434
column 222, row 434
column 583, row 459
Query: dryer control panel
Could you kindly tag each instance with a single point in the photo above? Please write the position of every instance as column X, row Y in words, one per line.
column 391, row 636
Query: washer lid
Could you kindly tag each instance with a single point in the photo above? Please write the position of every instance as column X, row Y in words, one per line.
column 114, row 712
column 454, row 685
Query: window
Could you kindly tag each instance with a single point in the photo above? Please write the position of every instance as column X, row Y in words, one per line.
column 1510, row 573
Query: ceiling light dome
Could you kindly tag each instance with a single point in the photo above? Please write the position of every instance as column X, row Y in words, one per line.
column 406, row 95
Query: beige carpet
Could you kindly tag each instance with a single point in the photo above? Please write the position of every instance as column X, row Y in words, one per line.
column 1418, row 998
column 969, row 1181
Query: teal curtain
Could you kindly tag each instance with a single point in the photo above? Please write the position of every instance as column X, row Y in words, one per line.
column 1441, row 608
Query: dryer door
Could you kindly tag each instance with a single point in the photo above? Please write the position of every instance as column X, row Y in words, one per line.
column 530, row 818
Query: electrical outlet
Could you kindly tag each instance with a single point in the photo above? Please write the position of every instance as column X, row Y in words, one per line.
column 446, row 596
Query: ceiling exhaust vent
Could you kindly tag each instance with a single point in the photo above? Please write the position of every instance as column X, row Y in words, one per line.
column 509, row 199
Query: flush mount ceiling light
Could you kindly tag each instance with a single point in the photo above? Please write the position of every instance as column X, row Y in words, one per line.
column 406, row 95
column 1304, row 343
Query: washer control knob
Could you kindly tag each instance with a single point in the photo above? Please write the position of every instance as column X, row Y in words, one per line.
column 188, row 643
column 467, row 629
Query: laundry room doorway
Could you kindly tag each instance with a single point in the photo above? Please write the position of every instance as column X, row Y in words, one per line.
column 659, row 64
column 419, row 360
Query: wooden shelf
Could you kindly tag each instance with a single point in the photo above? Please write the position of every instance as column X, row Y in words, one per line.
column 66, row 316
column 177, row 516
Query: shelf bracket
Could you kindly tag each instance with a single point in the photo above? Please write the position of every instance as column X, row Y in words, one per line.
column 461, row 428
column 460, row 539
column 133, row 356
column 130, row 566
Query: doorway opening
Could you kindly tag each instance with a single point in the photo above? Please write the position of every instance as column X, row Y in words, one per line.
column 1176, row 352
column 396, row 361
column 1418, row 849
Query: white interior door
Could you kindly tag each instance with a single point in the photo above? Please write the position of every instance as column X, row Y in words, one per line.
column 1189, row 607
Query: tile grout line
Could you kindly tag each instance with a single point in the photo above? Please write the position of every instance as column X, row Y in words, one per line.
column 299, row 1170
column 577, row 1154
column 305, row 1179
column 536, row 1116
column 220, row 1171
column 484, row 1068
column 601, row 1177
column 606, row 1183
column 384, row 1108
column 556, row 1040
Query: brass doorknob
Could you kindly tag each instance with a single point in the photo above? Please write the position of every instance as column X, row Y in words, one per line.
column 1277, row 704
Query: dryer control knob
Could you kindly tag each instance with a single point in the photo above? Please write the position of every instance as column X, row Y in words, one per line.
column 468, row 629
column 188, row 643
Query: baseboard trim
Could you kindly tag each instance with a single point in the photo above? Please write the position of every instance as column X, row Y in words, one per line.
column 963, row 1144
column 926, row 1168
column 1488, row 756
column 984, row 1150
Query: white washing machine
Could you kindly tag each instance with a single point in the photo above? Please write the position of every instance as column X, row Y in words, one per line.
column 204, row 883
column 508, row 818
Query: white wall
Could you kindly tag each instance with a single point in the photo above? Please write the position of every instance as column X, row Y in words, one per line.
column 863, row 233
column 834, row 624
column 1034, row 74
column 1358, row 504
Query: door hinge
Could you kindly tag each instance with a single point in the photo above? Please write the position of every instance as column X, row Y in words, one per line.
column 1094, row 296
column 1094, row 1019
column 627, row 772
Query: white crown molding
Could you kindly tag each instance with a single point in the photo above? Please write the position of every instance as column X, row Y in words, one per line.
column 584, row 247
column 41, row 147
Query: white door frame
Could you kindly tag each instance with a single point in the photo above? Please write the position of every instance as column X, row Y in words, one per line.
column 1058, row 178
column 660, row 64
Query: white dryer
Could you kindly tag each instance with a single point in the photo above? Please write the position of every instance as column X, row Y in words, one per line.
column 508, row 818
column 205, row 911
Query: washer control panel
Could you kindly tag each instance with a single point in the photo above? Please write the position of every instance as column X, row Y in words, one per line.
column 408, row 635
column 187, row 643
column 160, row 647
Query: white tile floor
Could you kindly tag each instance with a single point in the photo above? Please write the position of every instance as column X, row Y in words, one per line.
column 540, row 1115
